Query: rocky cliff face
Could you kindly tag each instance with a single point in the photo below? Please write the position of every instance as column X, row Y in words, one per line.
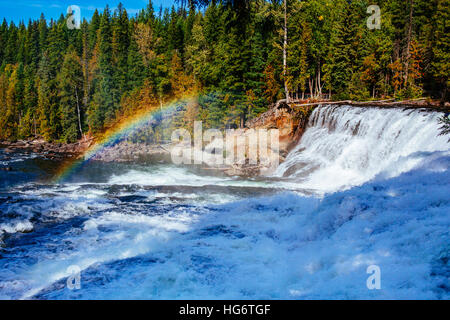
column 289, row 121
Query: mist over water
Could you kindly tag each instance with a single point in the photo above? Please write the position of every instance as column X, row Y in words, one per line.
column 363, row 186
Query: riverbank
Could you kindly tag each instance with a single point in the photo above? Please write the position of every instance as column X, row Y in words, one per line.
column 290, row 119
column 348, row 197
column 48, row 150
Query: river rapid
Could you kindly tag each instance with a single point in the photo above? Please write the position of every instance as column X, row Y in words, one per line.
column 364, row 186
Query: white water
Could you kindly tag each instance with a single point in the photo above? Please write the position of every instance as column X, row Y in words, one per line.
column 278, row 247
column 178, row 176
column 346, row 146
column 166, row 232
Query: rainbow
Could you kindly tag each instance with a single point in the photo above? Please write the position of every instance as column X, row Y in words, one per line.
column 118, row 134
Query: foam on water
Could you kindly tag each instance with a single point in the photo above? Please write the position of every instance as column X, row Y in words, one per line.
column 172, row 176
column 345, row 146
column 283, row 247
column 167, row 232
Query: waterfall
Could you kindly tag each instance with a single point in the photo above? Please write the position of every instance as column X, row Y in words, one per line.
column 344, row 146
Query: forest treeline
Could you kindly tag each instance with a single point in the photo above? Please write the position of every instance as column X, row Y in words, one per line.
column 61, row 84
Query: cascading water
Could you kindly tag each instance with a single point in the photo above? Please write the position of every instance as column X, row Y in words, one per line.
column 344, row 146
column 157, row 231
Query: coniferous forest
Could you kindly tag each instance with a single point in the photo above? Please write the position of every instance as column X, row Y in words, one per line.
column 62, row 83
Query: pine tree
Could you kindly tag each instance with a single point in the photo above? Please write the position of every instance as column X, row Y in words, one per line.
column 106, row 97
column 135, row 64
column 48, row 107
column 298, row 71
column 271, row 85
column 230, row 52
column 28, row 123
column 344, row 59
column 198, row 53
column 11, row 46
column 9, row 116
column 43, row 30
column 94, row 26
column 441, row 49
column 70, row 85
column 120, row 44
column 3, row 39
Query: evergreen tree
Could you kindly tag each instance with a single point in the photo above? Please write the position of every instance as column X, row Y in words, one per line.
column 11, row 46
column 9, row 116
column 60, row 83
column 106, row 97
column 3, row 39
column 48, row 107
column 120, row 44
column 135, row 63
column 70, row 85
column 441, row 49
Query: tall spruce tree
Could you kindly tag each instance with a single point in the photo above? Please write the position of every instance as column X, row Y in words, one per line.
column 70, row 85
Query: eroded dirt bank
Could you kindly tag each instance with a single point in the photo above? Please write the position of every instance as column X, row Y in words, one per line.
column 289, row 119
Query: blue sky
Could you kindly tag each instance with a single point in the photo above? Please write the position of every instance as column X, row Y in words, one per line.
column 16, row 10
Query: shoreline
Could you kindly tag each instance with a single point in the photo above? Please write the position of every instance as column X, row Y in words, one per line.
column 290, row 119
column 49, row 150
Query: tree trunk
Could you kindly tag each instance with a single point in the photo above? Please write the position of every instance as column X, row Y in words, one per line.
column 34, row 122
column 79, row 113
column 319, row 85
column 315, row 87
column 408, row 41
column 286, row 89
column 310, row 88
column 85, row 66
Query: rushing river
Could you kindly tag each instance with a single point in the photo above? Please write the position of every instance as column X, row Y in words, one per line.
column 364, row 186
